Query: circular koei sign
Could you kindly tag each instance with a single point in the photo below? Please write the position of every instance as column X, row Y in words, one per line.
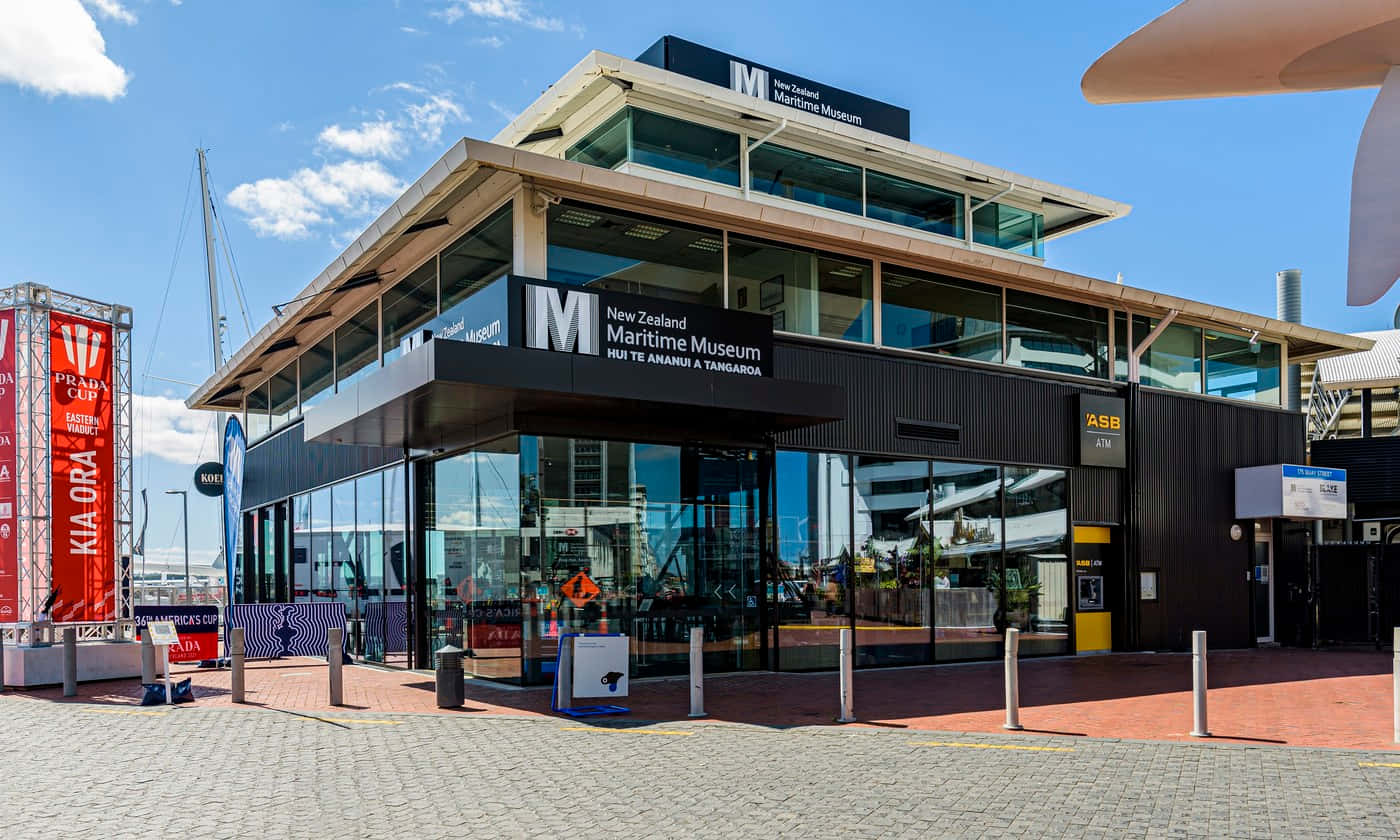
column 209, row 478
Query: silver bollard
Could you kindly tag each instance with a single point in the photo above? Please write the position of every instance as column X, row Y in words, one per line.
column 1013, row 682
column 697, row 672
column 335, row 637
column 1395, row 690
column 148, row 658
column 848, row 704
column 1198, row 684
column 235, row 659
column 70, row 662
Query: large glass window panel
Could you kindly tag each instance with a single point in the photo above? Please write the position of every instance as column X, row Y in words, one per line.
column 301, row 547
column 1036, row 581
column 477, row 258
column 282, row 396
column 369, row 563
column 255, row 412
column 317, row 373
column 939, row 314
column 322, row 578
column 627, row 252
column 357, row 346
column 347, row 578
column 1240, row 369
column 604, row 146
column 803, row 291
column 408, row 305
column 1011, row 228
column 395, row 572
column 808, row 599
column 805, row 177
column 685, row 147
column 893, row 563
column 1173, row 360
column 1064, row 336
column 904, row 202
column 966, row 558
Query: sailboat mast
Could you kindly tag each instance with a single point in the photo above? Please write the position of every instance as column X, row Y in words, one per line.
column 216, row 333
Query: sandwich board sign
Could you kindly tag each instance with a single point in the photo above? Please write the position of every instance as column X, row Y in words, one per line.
column 590, row 665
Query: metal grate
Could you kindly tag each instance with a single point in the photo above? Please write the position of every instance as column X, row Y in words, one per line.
column 928, row 430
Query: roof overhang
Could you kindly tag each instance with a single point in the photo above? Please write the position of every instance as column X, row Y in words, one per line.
column 477, row 165
column 449, row 394
column 1376, row 368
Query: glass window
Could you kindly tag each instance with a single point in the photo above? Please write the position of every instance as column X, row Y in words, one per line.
column 322, row 585
column 684, row 147
column 1011, row 228
column 893, row 561
column 809, row 595
column 626, row 252
column 903, row 202
column 367, row 636
column 301, row 547
column 409, row 304
column 317, row 373
column 1174, row 359
column 1037, row 577
column 255, row 414
column 1236, row 368
column 605, row 146
column 357, row 346
column 1056, row 335
column 806, row 292
column 966, row 551
column 804, row 177
column 282, row 395
column 480, row 256
column 395, row 575
column 940, row 314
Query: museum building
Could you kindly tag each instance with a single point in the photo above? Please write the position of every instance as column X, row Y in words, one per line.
column 697, row 342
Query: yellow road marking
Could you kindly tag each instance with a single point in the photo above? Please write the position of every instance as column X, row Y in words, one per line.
column 612, row 731
column 1377, row 764
column 991, row 746
column 125, row 712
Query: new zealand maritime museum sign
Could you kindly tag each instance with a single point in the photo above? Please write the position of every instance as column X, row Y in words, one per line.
column 541, row 315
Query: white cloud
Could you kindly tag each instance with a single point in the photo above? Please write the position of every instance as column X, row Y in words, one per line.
column 288, row 208
column 428, row 118
column 166, row 429
column 495, row 42
column 53, row 46
column 506, row 11
column 112, row 10
column 371, row 139
column 507, row 114
column 411, row 30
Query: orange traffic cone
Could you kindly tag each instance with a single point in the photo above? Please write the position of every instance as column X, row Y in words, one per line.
column 553, row 624
column 603, row 619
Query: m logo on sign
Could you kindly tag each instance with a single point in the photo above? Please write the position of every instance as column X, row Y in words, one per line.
column 560, row 320
column 750, row 81
column 81, row 346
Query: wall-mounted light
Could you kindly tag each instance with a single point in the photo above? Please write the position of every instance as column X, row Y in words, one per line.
column 1236, row 532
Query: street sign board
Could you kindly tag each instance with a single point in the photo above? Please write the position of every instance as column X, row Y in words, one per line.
column 163, row 633
column 580, row 589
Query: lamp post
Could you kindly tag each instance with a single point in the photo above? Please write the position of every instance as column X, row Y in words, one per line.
column 185, row 499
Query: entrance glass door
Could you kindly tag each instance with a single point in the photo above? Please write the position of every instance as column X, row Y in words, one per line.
column 1263, row 586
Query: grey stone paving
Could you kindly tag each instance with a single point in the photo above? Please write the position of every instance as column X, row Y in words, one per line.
column 85, row 771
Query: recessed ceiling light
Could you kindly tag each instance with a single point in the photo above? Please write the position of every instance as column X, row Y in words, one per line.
column 706, row 243
column 578, row 218
column 646, row 231
column 847, row 271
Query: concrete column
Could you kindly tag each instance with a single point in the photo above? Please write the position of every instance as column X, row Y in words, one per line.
column 529, row 224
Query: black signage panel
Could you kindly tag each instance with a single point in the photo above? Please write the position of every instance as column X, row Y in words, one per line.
column 644, row 330
column 1103, row 431
column 209, row 478
column 773, row 85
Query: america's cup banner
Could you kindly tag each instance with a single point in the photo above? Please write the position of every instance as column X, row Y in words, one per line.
column 9, row 527
column 83, row 534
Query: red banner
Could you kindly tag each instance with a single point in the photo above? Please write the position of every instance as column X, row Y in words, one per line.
column 9, row 527
column 84, row 527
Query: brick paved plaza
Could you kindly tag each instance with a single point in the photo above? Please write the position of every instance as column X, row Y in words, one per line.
column 94, row 770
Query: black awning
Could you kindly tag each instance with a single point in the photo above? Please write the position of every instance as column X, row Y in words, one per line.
column 449, row 394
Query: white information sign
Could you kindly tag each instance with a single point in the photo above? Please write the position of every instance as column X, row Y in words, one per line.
column 1290, row 491
column 600, row 666
column 163, row 633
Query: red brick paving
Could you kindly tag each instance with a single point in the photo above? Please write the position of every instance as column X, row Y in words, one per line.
column 1296, row 697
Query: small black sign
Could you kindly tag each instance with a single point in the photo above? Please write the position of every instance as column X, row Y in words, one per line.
column 209, row 478
column 645, row 330
column 1103, row 431
column 772, row 85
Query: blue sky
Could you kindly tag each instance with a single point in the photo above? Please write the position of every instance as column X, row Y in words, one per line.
column 315, row 113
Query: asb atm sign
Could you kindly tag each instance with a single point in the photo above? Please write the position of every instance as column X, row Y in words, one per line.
column 83, row 467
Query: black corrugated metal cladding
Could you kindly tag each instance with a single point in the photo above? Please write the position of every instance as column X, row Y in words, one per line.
column 284, row 464
column 1190, row 447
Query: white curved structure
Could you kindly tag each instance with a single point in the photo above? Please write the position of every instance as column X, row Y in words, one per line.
column 1204, row 48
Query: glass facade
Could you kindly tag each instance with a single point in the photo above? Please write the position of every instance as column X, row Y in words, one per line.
column 357, row 346
column 650, row 139
column 1239, row 368
column 1063, row 336
column 938, row 314
column 1009, row 228
column 808, row 178
column 626, row 252
column 904, row 202
column 408, row 305
column 804, row 291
